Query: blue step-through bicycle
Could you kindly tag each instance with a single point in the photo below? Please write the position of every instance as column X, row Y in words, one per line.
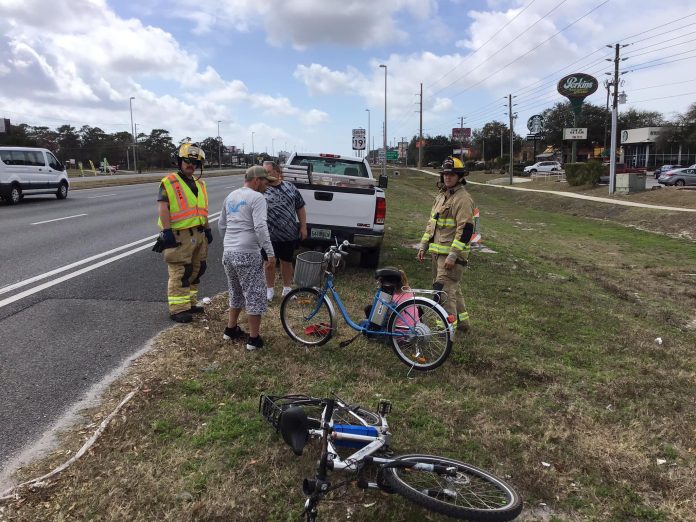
column 418, row 329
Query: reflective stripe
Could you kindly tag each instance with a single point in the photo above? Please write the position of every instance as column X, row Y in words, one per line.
column 458, row 245
column 434, row 248
column 464, row 316
column 178, row 299
column 445, row 222
column 426, row 237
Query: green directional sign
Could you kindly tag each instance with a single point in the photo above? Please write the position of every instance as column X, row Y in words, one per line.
column 392, row 155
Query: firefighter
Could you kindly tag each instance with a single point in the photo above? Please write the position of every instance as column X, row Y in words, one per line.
column 447, row 238
column 185, row 232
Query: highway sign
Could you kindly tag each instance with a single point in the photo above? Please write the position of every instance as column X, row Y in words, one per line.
column 392, row 155
column 359, row 139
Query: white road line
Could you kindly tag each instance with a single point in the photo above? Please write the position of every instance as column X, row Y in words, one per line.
column 102, row 196
column 211, row 219
column 59, row 219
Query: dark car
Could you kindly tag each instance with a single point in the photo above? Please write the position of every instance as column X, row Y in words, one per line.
column 664, row 168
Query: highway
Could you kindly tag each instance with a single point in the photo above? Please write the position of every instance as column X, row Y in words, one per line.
column 80, row 292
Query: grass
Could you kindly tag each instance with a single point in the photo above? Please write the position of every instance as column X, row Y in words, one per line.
column 560, row 386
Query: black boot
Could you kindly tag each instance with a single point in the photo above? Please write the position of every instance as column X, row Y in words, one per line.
column 181, row 317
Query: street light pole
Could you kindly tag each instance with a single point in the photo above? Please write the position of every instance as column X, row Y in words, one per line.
column 384, row 160
column 135, row 161
column 273, row 148
column 253, row 158
column 368, row 135
column 219, row 140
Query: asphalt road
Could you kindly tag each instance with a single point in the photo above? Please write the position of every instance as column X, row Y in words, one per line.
column 80, row 292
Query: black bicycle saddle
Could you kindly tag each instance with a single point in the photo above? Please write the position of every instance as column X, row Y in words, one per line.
column 294, row 428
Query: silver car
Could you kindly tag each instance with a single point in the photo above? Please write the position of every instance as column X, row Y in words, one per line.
column 679, row 177
column 543, row 166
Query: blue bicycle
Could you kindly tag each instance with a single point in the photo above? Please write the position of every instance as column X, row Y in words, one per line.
column 417, row 328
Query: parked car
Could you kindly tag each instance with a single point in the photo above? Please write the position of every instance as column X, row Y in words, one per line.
column 664, row 168
column 679, row 177
column 543, row 166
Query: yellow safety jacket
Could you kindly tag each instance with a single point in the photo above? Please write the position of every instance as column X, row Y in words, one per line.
column 452, row 210
column 185, row 209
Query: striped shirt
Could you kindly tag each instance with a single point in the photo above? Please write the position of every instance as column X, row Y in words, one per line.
column 283, row 202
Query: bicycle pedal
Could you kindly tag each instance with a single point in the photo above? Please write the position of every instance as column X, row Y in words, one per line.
column 419, row 358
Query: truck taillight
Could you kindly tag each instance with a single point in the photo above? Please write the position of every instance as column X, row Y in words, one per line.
column 380, row 211
column 329, row 155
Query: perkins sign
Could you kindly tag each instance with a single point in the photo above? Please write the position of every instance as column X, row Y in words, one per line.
column 578, row 85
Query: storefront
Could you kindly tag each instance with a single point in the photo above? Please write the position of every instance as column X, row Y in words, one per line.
column 638, row 147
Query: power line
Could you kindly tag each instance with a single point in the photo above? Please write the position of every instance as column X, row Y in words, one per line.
column 502, row 48
column 639, row 68
column 660, row 49
column 534, row 48
column 484, row 44
column 665, row 97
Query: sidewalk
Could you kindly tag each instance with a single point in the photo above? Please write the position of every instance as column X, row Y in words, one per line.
column 572, row 195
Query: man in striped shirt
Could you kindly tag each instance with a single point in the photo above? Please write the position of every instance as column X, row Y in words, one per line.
column 284, row 203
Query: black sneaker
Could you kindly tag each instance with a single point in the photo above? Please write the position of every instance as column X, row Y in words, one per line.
column 232, row 334
column 253, row 343
column 181, row 317
column 195, row 309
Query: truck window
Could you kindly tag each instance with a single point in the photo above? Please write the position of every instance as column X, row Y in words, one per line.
column 335, row 166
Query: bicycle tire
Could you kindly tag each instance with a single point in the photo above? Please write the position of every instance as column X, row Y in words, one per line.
column 430, row 346
column 473, row 494
column 295, row 310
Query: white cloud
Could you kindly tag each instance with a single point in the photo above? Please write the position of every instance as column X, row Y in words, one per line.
column 308, row 23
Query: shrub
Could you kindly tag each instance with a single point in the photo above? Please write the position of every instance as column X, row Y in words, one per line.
column 574, row 173
column 593, row 171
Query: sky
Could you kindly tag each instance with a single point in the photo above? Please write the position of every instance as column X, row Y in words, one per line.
column 300, row 75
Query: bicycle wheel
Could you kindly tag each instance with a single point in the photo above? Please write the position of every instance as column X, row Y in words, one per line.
column 469, row 494
column 420, row 334
column 301, row 319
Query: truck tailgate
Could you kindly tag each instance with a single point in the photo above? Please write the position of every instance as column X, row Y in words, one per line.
column 339, row 205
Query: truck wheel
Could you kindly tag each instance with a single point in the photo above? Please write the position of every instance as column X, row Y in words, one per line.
column 369, row 258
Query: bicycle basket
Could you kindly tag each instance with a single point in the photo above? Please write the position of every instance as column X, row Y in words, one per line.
column 309, row 268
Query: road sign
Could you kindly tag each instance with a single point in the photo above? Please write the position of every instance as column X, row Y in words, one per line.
column 392, row 155
column 459, row 133
column 535, row 137
column 575, row 133
column 359, row 140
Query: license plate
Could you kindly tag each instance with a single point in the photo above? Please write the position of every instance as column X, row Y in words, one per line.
column 320, row 233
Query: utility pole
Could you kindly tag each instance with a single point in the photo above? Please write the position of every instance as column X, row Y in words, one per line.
column 420, row 131
column 614, row 117
column 511, row 133
column 405, row 151
column 461, row 139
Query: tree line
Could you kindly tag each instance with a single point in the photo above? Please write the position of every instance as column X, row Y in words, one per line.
column 154, row 150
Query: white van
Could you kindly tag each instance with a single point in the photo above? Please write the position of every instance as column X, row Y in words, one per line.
column 26, row 171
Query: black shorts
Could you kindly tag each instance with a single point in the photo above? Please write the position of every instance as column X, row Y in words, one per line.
column 284, row 250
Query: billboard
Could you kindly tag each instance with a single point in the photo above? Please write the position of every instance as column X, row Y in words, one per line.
column 459, row 133
column 575, row 133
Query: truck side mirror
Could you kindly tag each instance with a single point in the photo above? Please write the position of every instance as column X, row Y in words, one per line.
column 383, row 181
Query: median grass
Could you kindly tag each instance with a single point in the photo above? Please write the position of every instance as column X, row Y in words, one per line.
column 561, row 386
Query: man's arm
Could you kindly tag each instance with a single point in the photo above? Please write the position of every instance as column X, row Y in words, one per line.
column 163, row 211
column 302, row 217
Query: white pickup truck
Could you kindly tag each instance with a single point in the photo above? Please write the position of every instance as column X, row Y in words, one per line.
column 343, row 201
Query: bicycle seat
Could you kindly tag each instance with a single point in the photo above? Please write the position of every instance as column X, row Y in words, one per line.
column 294, row 428
column 388, row 273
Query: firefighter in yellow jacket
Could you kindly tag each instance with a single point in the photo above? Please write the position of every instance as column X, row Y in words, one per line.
column 182, row 206
column 447, row 238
